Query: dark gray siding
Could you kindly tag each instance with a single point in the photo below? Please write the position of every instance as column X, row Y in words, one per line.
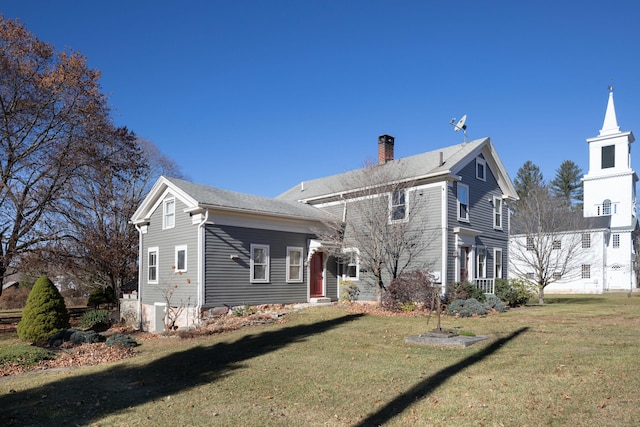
column 227, row 281
column 183, row 286
column 481, row 195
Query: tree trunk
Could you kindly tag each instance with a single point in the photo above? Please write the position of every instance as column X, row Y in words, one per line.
column 540, row 295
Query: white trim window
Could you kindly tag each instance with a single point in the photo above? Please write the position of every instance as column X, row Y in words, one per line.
column 351, row 264
column 294, row 264
column 259, row 263
column 152, row 265
column 463, row 202
column 181, row 259
column 398, row 205
column 616, row 240
column 169, row 213
column 497, row 263
column 586, row 271
column 586, row 240
column 481, row 169
column 497, row 213
column 481, row 263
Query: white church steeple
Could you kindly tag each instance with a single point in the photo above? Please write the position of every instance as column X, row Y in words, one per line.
column 610, row 125
column 609, row 186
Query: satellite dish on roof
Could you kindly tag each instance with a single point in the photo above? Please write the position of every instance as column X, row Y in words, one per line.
column 460, row 126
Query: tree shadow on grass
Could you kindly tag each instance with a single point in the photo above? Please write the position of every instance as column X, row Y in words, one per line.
column 82, row 399
column 428, row 385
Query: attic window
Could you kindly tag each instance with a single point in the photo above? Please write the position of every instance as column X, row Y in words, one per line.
column 169, row 213
column 481, row 169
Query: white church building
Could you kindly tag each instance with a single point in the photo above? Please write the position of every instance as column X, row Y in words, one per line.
column 606, row 257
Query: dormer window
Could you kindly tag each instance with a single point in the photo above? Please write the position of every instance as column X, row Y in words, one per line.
column 608, row 156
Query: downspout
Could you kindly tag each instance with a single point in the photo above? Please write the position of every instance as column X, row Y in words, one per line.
column 201, row 248
column 140, row 258
column 444, row 274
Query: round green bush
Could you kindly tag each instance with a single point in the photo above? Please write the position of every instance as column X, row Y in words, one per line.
column 467, row 308
column 44, row 314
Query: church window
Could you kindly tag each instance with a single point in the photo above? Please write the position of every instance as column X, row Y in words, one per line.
column 586, row 271
column 616, row 240
column 606, row 207
column 586, row 241
column 608, row 156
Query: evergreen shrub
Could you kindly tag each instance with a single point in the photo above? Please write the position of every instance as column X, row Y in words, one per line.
column 121, row 340
column 467, row 308
column 44, row 314
column 513, row 292
column 97, row 320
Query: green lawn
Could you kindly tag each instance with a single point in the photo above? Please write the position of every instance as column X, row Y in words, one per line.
column 570, row 362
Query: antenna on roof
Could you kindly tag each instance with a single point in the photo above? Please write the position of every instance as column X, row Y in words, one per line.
column 460, row 125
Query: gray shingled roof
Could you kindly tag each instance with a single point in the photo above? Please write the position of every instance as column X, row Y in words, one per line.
column 578, row 223
column 215, row 197
column 405, row 168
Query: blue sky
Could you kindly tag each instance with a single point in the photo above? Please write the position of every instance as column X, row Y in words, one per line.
column 256, row 96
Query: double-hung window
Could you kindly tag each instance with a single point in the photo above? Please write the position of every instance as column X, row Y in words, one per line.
column 530, row 243
column 181, row 259
column 482, row 263
column 152, row 265
column 463, row 202
column 497, row 213
column 351, row 264
column 616, row 240
column 259, row 263
column 586, row 271
column 497, row 263
column 481, row 169
column 586, row 240
column 398, row 205
column 169, row 213
column 294, row 264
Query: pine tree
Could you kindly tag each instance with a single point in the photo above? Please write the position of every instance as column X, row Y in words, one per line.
column 567, row 184
column 45, row 312
column 527, row 179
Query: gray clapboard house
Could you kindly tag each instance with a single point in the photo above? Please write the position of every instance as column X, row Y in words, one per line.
column 206, row 248
column 203, row 247
column 454, row 197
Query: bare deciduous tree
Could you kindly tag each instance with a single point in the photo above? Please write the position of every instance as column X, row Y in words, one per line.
column 376, row 220
column 51, row 116
column 545, row 244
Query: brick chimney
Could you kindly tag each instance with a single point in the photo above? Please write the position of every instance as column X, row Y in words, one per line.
column 385, row 149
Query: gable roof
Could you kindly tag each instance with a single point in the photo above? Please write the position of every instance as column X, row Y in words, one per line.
column 423, row 166
column 200, row 197
column 575, row 222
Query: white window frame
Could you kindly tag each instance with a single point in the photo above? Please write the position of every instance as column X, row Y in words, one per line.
column 616, row 240
column 253, row 264
column 177, row 268
column 393, row 206
column 300, row 265
column 481, row 262
column 556, row 244
column 168, row 216
column 460, row 203
column 586, row 240
column 152, row 250
column 497, row 213
column 586, row 271
column 352, row 255
column 497, row 262
column 483, row 163
column 530, row 243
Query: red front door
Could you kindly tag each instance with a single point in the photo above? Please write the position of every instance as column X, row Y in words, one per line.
column 316, row 275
